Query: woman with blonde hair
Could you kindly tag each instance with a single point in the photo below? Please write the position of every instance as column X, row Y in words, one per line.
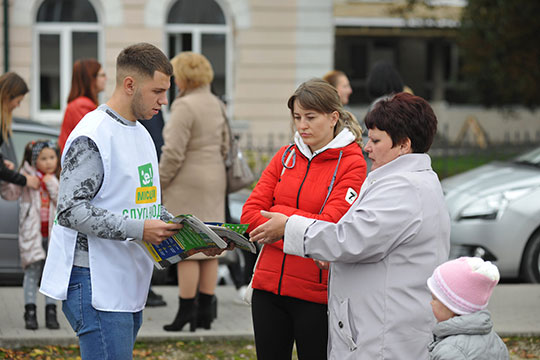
column 318, row 176
column 12, row 91
column 193, row 179
column 340, row 81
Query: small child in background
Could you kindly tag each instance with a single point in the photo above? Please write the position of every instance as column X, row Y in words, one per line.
column 36, row 215
column 461, row 289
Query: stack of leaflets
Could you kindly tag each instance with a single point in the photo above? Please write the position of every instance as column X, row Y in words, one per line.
column 195, row 237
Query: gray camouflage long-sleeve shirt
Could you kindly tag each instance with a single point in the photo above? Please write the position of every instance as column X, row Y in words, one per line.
column 80, row 180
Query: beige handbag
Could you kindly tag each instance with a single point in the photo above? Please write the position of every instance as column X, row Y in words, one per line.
column 239, row 174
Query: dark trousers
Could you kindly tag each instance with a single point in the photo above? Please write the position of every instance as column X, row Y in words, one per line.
column 279, row 321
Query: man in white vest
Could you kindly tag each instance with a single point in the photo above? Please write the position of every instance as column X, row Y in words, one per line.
column 109, row 159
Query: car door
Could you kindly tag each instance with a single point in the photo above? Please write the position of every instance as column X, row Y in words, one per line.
column 10, row 264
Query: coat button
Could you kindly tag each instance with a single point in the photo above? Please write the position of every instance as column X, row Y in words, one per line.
column 340, row 324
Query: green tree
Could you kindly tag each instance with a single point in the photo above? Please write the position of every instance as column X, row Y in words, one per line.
column 501, row 53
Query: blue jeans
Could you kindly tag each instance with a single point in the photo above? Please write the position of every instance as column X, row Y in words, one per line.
column 103, row 335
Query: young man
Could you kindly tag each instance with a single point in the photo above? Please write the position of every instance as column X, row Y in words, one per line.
column 109, row 162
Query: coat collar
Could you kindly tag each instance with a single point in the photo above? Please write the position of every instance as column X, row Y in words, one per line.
column 344, row 138
column 199, row 89
column 404, row 163
column 29, row 169
column 478, row 323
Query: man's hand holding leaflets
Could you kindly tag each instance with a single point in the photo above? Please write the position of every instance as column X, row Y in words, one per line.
column 187, row 235
column 156, row 231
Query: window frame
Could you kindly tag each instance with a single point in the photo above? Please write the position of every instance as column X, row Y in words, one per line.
column 65, row 30
column 197, row 31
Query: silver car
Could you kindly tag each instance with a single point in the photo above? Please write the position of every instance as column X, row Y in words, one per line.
column 495, row 212
column 10, row 264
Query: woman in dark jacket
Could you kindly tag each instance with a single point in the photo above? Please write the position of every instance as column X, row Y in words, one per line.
column 319, row 176
column 12, row 91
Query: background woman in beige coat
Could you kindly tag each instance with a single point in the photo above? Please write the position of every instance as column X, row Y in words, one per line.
column 193, row 179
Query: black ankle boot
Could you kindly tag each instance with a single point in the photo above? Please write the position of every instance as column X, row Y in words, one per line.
column 30, row 319
column 207, row 310
column 50, row 317
column 187, row 313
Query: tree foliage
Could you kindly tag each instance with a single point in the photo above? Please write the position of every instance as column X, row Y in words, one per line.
column 501, row 53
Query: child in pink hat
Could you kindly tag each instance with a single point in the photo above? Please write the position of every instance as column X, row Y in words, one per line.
column 461, row 289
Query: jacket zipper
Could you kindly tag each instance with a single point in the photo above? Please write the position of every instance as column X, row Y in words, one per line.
column 297, row 203
column 302, row 184
column 285, row 255
column 281, row 275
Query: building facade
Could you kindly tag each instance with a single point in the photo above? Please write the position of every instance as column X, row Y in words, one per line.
column 261, row 50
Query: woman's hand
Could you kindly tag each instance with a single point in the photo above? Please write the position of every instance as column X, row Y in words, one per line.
column 156, row 231
column 9, row 164
column 272, row 230
column 32, row 182
column 323, row 265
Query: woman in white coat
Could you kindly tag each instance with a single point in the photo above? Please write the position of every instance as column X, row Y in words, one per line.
column 385, row 247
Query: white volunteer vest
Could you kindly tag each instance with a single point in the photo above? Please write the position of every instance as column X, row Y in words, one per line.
column 120, row 270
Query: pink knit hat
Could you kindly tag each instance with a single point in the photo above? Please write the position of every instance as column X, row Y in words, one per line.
column 464, row 285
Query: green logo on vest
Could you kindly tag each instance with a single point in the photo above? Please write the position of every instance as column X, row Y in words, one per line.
column 146, row 175
column 147, row 193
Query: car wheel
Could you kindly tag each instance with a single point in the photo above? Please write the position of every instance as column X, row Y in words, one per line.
column 530, row 265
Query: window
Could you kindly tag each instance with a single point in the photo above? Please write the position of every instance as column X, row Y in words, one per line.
column 200, row 26
column 64, row 32
column 356, row 55
column 431, row 66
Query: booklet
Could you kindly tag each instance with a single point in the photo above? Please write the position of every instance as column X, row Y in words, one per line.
column 234, row 233
column 194, row 237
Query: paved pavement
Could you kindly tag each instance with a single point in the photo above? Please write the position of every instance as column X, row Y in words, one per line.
column 515, row 309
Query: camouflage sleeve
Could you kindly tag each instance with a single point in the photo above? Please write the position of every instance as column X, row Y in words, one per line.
column 80, row 181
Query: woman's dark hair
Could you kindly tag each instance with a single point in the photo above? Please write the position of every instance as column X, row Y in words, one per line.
column 11, row 86
column 405, row 116
column 83, row 80
column 383, row 79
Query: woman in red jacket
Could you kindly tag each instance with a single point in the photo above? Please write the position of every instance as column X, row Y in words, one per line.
column 318, row 176
column 87, row 81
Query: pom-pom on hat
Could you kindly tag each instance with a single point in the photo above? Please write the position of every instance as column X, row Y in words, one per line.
column 464, row 285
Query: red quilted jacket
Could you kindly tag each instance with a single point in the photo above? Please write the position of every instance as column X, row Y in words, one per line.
column 75, row 111
column 302, row 190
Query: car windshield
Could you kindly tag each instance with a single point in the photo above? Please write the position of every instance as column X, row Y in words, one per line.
column 530, row 158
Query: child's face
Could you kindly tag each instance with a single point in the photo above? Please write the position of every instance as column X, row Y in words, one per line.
column 441, row 312
column 46, row 161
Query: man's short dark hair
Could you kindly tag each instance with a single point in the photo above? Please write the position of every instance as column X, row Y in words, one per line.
column 143, row 59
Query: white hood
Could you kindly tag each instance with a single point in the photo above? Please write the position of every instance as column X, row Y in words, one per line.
column 344, row 138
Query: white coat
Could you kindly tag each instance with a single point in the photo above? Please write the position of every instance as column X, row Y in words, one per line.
column 381, row 251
